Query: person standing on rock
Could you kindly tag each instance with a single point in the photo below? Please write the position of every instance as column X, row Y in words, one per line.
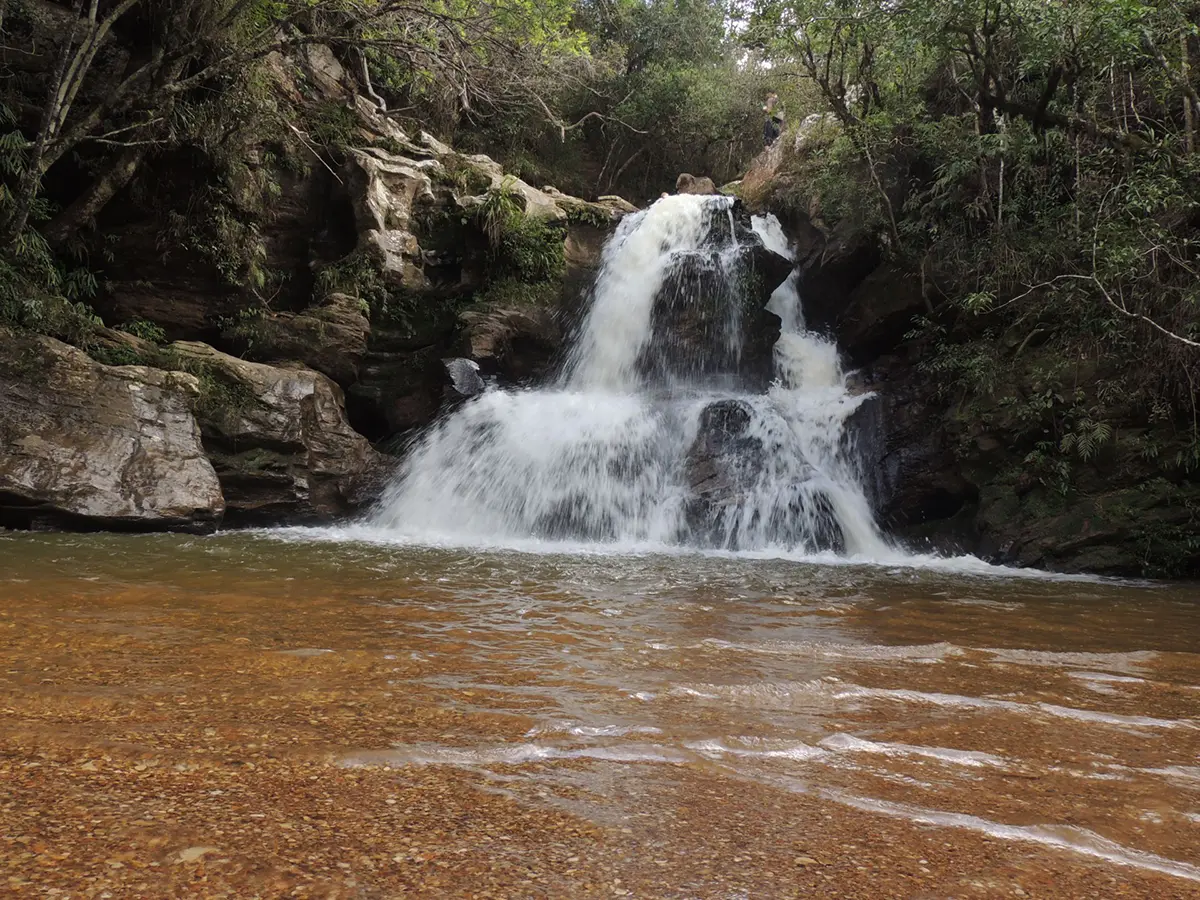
column 773, row 125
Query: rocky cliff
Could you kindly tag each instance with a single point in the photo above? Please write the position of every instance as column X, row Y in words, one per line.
column 276, row 321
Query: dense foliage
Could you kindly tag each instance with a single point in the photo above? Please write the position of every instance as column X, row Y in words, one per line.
column 1035, row 165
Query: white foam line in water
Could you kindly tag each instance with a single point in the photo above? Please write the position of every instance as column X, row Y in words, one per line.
column 806, row 693
column 1128, row 662
column 1107, row 677
column 830, row 650
column 1063, row 837
column 846, row 743
column 509, row 754
column 758, row 749
column 578, row 730
column 1190, row 774
column 946, row 565
column 1062, row 712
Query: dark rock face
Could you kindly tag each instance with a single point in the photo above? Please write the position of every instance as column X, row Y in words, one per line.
column 516, row 345
column 396, row 391
column 721, row 466
column 330, row 337
column 83, row 445
column 912, row 476
column 164, row 279
column 710, row 320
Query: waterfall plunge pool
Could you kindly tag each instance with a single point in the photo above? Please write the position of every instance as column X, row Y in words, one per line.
column 365, row 718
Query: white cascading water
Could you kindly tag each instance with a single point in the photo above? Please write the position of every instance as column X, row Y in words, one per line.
column 610, row 453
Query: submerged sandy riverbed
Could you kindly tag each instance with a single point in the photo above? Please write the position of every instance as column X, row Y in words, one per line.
column 249, row 716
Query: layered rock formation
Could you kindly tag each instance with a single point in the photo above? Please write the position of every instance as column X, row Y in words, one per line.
column 279, row 440
column 88, row 445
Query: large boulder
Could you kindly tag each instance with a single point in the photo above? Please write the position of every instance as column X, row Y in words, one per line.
column 279, row 439
column 95, row 446
column 691, row 184
column 711, row 319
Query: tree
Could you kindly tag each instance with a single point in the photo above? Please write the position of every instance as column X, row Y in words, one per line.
column 185, row 45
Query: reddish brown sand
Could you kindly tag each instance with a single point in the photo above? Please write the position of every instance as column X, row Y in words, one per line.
column 160, row 736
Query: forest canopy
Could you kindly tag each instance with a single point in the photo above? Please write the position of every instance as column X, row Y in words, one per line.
column 1002, row 148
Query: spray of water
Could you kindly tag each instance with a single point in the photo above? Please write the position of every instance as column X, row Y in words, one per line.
column 615, row 453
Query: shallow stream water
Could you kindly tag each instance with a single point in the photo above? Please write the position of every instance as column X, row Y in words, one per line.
column 1039, row 733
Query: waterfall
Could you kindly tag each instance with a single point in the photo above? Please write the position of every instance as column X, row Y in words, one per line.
column 655, row 433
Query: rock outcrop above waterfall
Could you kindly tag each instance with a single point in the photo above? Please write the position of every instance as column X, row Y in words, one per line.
column 279, row 440
column 711, row 317
column 367, row 266
column 94, row 446
column 417, row 206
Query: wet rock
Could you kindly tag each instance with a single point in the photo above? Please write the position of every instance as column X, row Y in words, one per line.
column 464, row 379
column 911, row 474
column 721, row 466
column 710, row 320
column 94, row 446
column 279, row 439
column 690, row 184
column 726, row 469
column 877, row 314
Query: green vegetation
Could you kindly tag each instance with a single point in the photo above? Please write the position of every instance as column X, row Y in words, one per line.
column 356, row 275
column 520, row 247
column 1034, row 165
column 147, row 331
column 513, row 292
column 588, row 215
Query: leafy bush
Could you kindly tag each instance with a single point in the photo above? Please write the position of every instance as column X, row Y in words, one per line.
column 146, row 330
column 532, row 250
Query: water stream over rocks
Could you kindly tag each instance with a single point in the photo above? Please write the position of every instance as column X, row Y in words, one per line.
column 694, row 409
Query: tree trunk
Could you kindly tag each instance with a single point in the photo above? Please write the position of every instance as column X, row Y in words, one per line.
column 89, row 204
